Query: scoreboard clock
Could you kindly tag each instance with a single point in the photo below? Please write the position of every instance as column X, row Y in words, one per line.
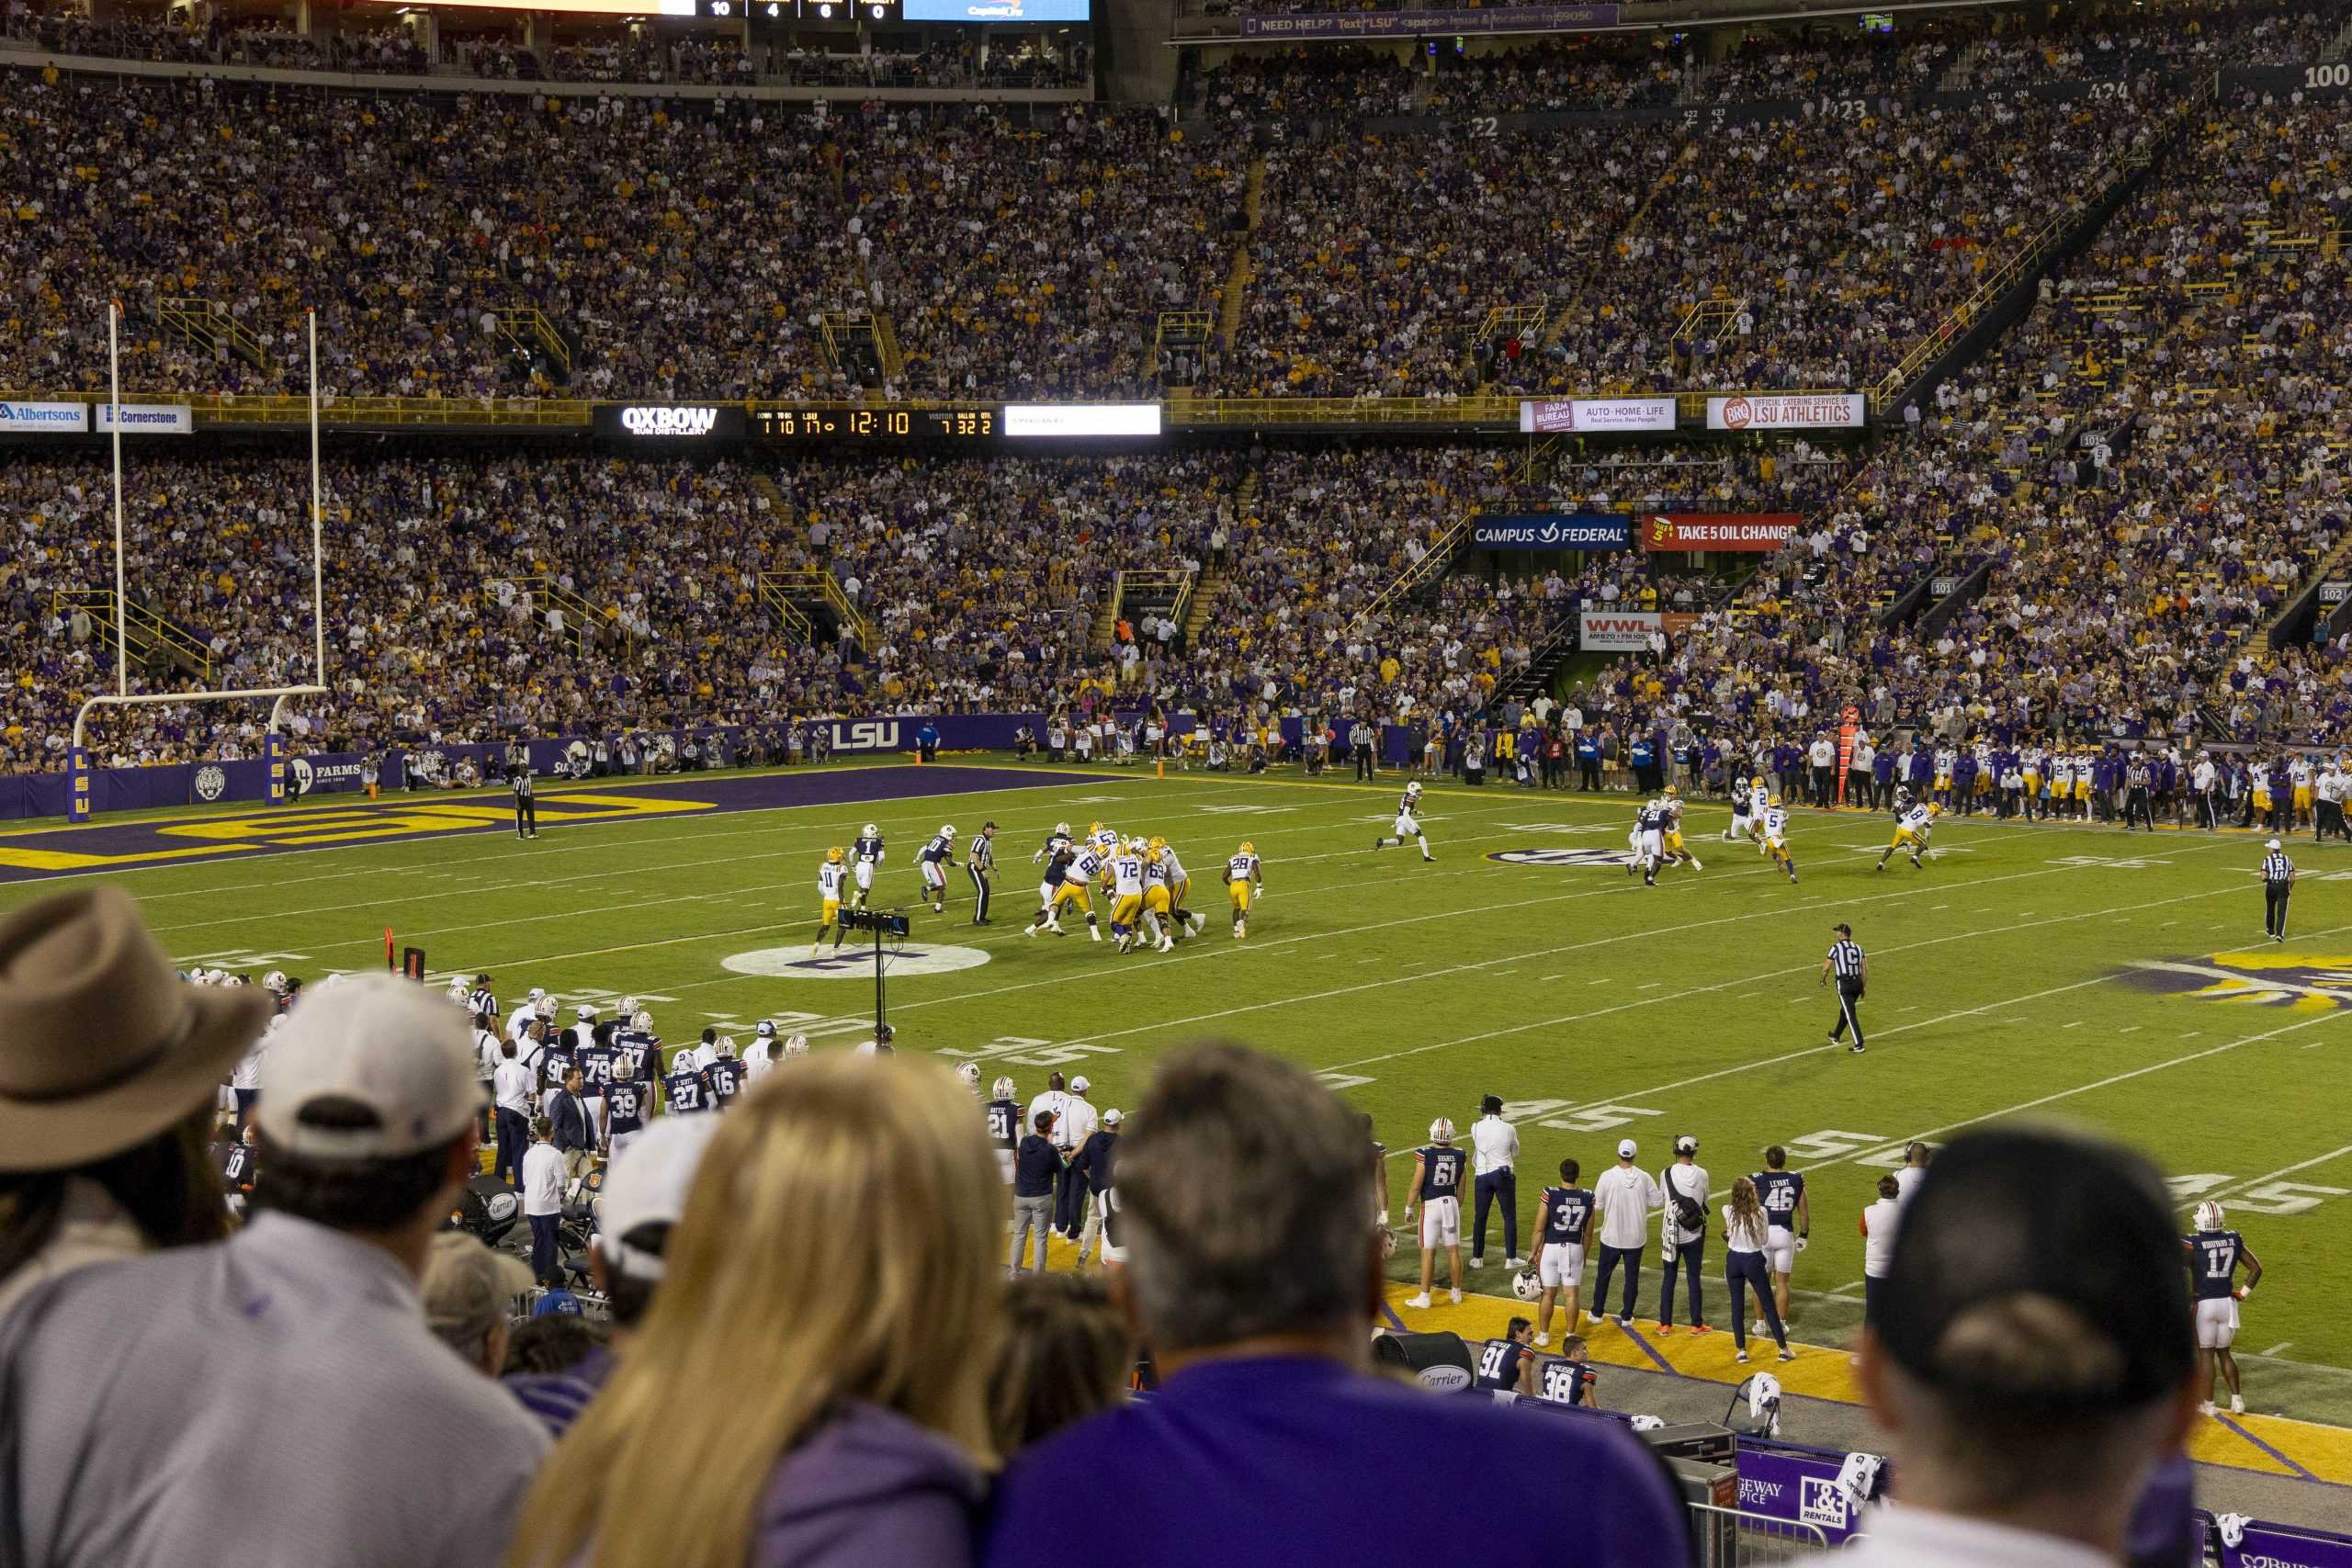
column 879, row 426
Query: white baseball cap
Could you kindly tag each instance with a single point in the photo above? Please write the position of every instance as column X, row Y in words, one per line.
column 1078, row 1085
column 1686, row 1144
column 647, row 1184
column 2270, row 844
column 1625, row 1148
column 1112, row 1118
column 384, row 1042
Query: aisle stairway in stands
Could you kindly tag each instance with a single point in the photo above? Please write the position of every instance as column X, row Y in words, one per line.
column 152, row 641
column 208, row 325
column 1237, row 278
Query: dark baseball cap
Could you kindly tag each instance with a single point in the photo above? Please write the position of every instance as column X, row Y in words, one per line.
column 2023, row 1213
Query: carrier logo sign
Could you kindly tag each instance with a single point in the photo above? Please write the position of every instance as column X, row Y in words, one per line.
column 850, row 962
column 1563, row 857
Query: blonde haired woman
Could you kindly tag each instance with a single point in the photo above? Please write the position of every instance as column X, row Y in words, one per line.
column 1746, row 1231
column 814, row 1371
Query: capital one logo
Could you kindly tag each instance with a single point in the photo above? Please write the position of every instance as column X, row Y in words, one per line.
column 867, row 735
column 1738, row 412
column 1821, row 1503
column 669, row 421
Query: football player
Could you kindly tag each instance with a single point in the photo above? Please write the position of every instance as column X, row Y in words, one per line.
column 1437, row 1186
column 1760, row 799
column 1788, row 1213
column 1243, row 879
column 1560, row 1243
column 1159, row 911
column 1003, row 1113
column 1911, row 833
column 1672, row 841
column 1651, row 826
column 1407, row 826
column 1946, row 759
column 1055, row 856
column 1180, row 889
column 1082, row 864
column 2214, row 1255
column 722, row 1075
column 1776, row 838
column 865, row 854
column 1740, row 823
column 1104, row 839
column 681, row 1086
column 2029, row 765
column 1126, row 893
column 829, row 877
column 935, row 858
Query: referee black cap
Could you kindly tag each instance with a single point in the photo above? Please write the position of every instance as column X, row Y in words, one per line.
column 1842, row 929
column 2039, row 1270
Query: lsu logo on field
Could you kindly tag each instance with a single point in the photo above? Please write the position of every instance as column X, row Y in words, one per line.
column 2299, row 982
column 867, row 735
column 1821, row 1503
column 1560, row 857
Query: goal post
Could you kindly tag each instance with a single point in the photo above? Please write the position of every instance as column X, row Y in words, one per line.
column 79, row 798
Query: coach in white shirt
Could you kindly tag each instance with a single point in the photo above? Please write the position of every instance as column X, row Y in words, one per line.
column 1880, row 1222
column 1623, row 1198
column 1914, row 1167
column 1077, row 1123
column 1494, row 1152
column 1685, row 1183
column 543, row 1184
column 511, row 1086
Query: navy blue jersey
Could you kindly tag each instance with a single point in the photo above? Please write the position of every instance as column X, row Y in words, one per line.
column 1778, row 1191
column 1499, row 1363
column 637, row 1057
column 1004, row 1124
column 1440, row 1173
column 625, row 1107
column 1565, row 1211
column 724, row 1080
column 941, row 848
column 596, row 1063
column 2214, row 1259
column 555, row 1066
column 1565, row 1383
column 239, row 1161
column 682, row 1090
column 865, row 849
column 1405, row 806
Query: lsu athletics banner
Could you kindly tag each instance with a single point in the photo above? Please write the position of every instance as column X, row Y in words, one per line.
column 1553, row 531
column 1594, row 416
column 1786, row 410
column 1718, row 530
column 1416, row 23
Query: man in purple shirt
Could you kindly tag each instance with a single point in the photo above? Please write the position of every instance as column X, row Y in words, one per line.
column 1254, row 1277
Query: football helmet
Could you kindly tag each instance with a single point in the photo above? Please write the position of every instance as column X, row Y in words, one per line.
column 796, row 1046
column 1525, row 1285
column 2208, row 1215
column 628, row 1007
column 726, row 1044
column 1094, row 829
column 1441, row 1131
column 547, row 1007
column 833, row 855
column 1413, row 786
column 947, row 829
column 871, row 831
column 1003, row 1089
column 1061, row 829
column 1248, row 848
column 1672, row 792
column 1157, row 845
column 272, row 981
column 970, row 1074
column 1388, row 1242
column 642, row 1021
column 276, row 981
column 1775, row 800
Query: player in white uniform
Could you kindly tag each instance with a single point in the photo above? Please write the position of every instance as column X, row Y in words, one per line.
column 1738, row 829
column 1911, row 833
column 863, row 856
column 1760, row 800
column 1127, row 896
column 829, row 877
column 1408, row 825
column 1776, row 838
column 1244, row 879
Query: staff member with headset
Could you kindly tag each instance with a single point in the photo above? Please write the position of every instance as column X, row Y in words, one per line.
column 2278, row 883
column 1851, row 969
column 980, row 866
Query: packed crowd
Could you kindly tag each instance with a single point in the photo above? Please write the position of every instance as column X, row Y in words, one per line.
column 2187, row 35
column 1557, row 75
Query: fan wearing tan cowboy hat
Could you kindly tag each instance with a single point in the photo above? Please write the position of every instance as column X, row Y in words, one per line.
column 104, row 1052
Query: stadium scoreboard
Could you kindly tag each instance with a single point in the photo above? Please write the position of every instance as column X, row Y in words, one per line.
column 779, row 13
column 977, row 422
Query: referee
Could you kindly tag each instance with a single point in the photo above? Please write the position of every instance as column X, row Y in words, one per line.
column 981, row 866
column 526, row 810
column 2278, row 882
column 2135, row 795
column 1852, row 970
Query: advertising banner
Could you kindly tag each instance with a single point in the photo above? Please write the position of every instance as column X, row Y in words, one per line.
column 678, row 423
column 1416, row 23
column 2274, row 1546
column 998, row 10
column 1718, row 530
column 1783, row 1483
column 146, row 419
column 1786, row 410
column 1553, row 531
column 43, row 419
column 1626, row 631
column 1082, row 419
column 1593, row 416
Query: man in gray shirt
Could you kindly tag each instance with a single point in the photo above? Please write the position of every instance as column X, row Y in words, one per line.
column 279, row 1398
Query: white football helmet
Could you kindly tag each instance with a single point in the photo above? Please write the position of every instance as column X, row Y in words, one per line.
column 628, row 1007
column 969, row 1074
column 1413, row 788
column 1441, row 1131
column 796, row 1046
column 275, row 980
column 726, row 1044
column 947, row 829
column 1525, row 1285
column 642, row 1021
column 1388, row 1242
column 1003, row 1090
column 458, row 992
column 1061, row 829
column 2208, row 1215
column 871, row 831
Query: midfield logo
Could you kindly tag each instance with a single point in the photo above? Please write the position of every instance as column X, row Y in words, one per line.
column 2299, row 982
column 1587, row 859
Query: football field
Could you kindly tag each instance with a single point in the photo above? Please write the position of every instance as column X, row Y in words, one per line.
column 2113, row 979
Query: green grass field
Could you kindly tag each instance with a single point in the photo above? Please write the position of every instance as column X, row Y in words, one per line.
column 2006, row 979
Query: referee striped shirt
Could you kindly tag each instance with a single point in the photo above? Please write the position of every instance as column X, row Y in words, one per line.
column 983, row 854
column 2276, row 867
column 1846, row 959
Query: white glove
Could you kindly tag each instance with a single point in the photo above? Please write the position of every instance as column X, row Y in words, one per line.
column 1802, row 1244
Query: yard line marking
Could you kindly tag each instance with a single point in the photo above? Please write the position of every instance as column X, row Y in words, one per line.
column 2236, row 1186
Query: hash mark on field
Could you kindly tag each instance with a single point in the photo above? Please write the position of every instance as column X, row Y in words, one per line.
column 1653, row 986
column 1551, row 977
column 2077, row 1025
column 1596, row 982
column 2133, row 1030
column 2282, row 1345
column 1913, row 1008
column 2192, row 1034
column 1933, row 909
column 2167, row 925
